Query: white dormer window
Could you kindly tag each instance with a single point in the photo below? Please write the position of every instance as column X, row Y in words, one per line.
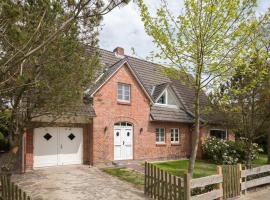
column 167, row 99
column 163, row 98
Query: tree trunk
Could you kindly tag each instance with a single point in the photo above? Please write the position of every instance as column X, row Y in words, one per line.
column 195, row 139
column 268, row 144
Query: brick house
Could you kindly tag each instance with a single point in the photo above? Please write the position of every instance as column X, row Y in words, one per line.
column 136, row 113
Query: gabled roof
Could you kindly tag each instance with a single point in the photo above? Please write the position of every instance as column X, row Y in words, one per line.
column 153, row 82
column 111, row 71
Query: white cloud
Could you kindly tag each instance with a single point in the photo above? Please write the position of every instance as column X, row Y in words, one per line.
column 123, row 27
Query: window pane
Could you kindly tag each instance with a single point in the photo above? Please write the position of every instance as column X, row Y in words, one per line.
column 123, row 92
column 162, row 99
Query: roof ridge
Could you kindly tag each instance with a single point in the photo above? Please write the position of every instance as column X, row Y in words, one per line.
column 133, row 57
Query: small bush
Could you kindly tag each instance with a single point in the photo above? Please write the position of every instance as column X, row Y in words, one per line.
column 229, row 152
column 4, row 146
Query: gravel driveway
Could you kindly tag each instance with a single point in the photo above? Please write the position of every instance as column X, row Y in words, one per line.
column 75, row 183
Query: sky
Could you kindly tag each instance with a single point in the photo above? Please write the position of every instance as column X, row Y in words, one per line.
column 123, row 27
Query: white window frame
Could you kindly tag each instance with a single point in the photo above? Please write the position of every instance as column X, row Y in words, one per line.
column 123, row 92
column 158, row 135
column 173, row 133
column 166, row 100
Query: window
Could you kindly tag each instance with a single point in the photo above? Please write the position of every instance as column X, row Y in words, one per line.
column 163, row 98
column 167, row 99
column 123, row 92
column 174, row 135
column 160, row 135
column 220, row 134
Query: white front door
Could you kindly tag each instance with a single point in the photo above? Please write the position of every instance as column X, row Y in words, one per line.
column 57, row 146
column 123, row 141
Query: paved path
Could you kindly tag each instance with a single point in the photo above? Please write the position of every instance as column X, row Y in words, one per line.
column 263, row 194
column 76, row 183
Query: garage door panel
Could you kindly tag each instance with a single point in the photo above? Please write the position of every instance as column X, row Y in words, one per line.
column 71, row 146
column 45, row 147
column 57, row 146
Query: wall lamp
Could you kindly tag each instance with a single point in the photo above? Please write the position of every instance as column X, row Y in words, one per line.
column 105, row 129
column 141, row 130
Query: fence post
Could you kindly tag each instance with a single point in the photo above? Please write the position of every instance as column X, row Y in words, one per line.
column 145, row 177
column 187, row 190
column 239, row 168
column 220, row 185
column 245, row 180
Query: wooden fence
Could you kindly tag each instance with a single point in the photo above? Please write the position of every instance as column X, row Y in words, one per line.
column 159, row 184
column 10, row 191
column 229, row 182
column 215, row 180
column 255, row 182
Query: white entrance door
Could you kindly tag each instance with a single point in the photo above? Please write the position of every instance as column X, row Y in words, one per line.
column 123, row 141
column 57, row 146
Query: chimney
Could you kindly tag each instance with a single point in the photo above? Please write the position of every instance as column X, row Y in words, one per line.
column 119, row 52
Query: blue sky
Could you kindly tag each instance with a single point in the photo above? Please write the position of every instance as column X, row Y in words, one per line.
column 123, row 27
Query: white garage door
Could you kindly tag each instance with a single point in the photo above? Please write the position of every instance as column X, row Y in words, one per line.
column 57, row 146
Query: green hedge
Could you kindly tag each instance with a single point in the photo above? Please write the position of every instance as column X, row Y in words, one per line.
column 229, row 152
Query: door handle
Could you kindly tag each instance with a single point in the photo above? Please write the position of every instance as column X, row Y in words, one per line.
column 123, row 142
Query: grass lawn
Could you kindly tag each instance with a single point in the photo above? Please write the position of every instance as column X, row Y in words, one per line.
column 179, row 168
column 261, row 160
column 128, row 175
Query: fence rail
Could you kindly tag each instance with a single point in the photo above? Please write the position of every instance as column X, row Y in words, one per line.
column 229, row 182
column 10, row 191
column 256, row 181
column 159, row 184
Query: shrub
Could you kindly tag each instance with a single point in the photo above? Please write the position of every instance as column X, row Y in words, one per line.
column 4, row 146
column 229, row 152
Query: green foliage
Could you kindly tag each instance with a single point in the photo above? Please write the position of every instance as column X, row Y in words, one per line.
column 206, row 40
column 229, row 152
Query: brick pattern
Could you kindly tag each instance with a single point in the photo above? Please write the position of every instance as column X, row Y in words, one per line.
column 29, row 149
column 109, row 111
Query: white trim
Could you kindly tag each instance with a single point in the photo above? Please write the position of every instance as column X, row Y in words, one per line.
column 165, row 91
column 174, row 142
column 123, row 85
column 160, row 142
column 133, row 73
column 166, row 105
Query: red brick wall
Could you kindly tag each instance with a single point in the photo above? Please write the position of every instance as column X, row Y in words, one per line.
column 109, row 111
column 29, row 150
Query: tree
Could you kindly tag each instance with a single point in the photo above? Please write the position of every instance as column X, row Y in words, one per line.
column 45, row 65
column 243, row 100
column 205, row 41
column 245, row 96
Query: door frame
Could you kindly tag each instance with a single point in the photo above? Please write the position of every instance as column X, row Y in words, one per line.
column 120, row 127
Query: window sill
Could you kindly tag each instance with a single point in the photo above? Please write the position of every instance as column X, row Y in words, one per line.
column 175, row 144
column 124, row 103
column 160, row 144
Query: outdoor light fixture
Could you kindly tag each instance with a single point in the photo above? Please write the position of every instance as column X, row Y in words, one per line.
column 105, row 129
column 141, row 130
